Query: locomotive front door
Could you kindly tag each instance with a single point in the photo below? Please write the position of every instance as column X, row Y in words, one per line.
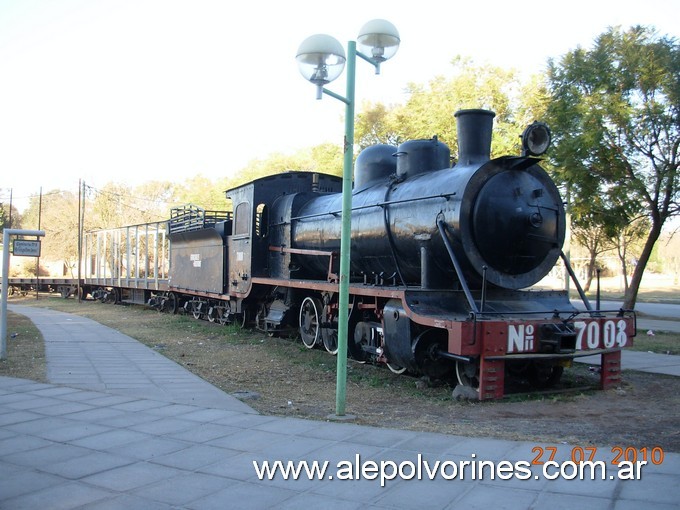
column 240, row 250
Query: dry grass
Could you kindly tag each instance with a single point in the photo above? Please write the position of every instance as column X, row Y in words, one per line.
column 25, row 350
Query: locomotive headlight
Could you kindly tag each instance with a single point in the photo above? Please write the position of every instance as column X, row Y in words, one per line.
column 321, row 59
column 536, row 139
column 379, row 40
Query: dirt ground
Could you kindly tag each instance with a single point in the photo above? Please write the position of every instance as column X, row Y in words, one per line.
column 280, row 376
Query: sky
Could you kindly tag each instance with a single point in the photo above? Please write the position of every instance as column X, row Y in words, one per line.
column 131, row 91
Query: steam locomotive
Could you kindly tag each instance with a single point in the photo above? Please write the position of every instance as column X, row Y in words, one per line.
column 442, row 261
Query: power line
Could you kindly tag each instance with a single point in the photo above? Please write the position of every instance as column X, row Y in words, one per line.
column 33, row 195
column 119, row 197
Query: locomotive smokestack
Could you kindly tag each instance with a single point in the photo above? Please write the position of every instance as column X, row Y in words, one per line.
column 474, row 136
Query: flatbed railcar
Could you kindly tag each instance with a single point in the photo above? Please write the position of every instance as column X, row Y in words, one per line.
column 442, row 261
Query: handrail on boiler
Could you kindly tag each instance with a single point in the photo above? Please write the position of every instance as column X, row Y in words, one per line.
column 459, row 272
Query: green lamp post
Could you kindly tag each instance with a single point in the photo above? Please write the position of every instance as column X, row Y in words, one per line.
column 321, row 59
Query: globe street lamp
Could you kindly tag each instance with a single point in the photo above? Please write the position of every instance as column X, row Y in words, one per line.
column 321, row 59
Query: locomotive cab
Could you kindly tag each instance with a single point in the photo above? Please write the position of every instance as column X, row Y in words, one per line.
column 259, row 219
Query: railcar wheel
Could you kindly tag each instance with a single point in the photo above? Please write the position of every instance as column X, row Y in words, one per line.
column 310, row 323
column 171, row 303
column 396, row 368
column 467, row 374
column 222, row 315
column 112, row 297
column 196, row 306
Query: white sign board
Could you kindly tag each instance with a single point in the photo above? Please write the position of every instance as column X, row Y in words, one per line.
column 23, row 248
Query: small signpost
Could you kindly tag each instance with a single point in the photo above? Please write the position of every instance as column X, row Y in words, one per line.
column 22, row 248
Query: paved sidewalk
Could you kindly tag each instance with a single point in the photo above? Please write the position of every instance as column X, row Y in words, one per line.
column 82, row 353
column 122, row 427
column 642, row 361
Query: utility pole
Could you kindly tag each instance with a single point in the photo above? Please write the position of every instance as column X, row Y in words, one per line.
column 37, row 260
column 10, row 208
column 81, row 187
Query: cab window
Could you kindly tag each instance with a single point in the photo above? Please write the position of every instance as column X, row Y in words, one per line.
column 242, row 219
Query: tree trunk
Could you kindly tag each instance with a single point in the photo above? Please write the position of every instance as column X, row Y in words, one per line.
column 631, row 295
column 624, row 268
column 622, row 250
column 590, row 271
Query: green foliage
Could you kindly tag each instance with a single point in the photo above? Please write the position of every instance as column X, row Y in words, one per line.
column 615, row 114
column 430, row 109
column 325, row 158
column 4, row 217
column 201, row 191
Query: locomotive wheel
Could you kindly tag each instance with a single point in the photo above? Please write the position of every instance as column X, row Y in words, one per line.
column 329, row 335
column 467, row 374
column 212, row 314
column 242, row 318
column 310, row 320
column 396, row 368
column 330, row 340
column 426, row 350
column 356, row 342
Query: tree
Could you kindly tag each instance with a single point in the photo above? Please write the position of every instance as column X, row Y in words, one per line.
column 116, row 204
column 615, row 114
column 324, row 158
column 376, row 124
column 430, row 108
column 327, row 158
column 201, row 191
column 6, row 215
column 106, row 206
column 59, row 219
